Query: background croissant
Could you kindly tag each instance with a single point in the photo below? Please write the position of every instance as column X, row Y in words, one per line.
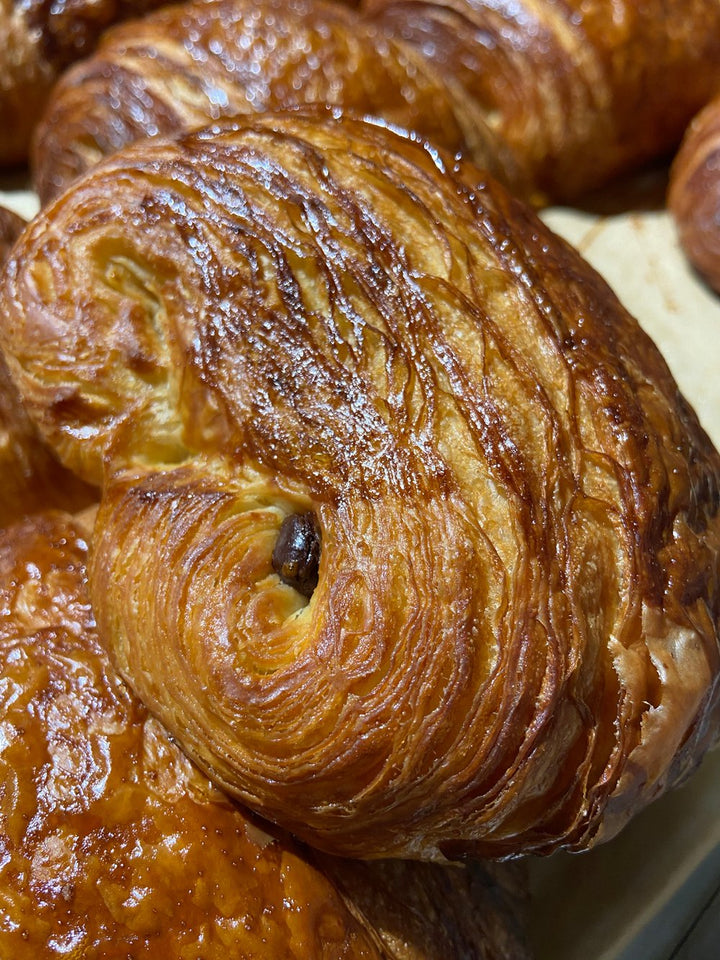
column 511, row 513
column 38, row 41
column 694, row 195
column 557, row 98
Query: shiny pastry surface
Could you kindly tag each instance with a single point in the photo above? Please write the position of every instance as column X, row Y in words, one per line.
column 513, row 640
column 31, row 477
column 191, row 64
column 113, row 844
column 39, row 39
column 556, row 97
column 694, row 196
column 580, row 90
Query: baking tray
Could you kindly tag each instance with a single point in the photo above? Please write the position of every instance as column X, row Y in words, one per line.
column 653, row 893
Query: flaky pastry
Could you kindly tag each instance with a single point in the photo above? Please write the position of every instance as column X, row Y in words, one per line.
column 112, row 841
column 40, row 39
column 694, row 195
column 31, row 477
column 556, row 98
column 114, row 845
column 407, row 534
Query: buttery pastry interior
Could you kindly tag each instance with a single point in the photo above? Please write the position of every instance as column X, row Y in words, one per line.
column 556, row 98
column 510, row 511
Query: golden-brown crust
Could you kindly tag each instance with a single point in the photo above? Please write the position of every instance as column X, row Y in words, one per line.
column 557, row 96
column 513, row 644
column 580, row 90
column 185, row 66
column 694, row 195
column 40, row 38
column 31, row 478
column 25, row 82
column 112, row 841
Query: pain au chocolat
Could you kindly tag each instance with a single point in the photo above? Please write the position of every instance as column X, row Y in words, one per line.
column 556, row 98
column 407, row 534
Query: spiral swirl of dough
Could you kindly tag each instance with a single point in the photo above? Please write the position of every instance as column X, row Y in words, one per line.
column 513, row 641
column 115, row 845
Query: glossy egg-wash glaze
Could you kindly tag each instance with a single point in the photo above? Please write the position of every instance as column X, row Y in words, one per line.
column 113, row 844
column 39, row 39
column 197, row 62
column 513, row 643
column 556, row 97
column 579, row 90
column 694, row 196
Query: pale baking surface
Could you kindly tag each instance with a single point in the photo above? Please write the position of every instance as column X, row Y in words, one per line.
column 637, row 897
column 21, row 201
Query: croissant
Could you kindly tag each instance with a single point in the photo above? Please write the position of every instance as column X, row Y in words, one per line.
column 114, row 844
column 39, row 41
column 555, row 98
column 694, row 193
column 407, row 534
